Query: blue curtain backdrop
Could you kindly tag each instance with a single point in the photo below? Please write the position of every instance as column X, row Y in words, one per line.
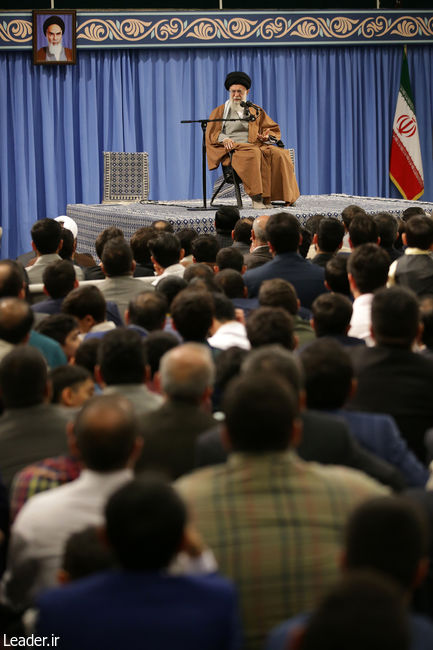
column 335, row 105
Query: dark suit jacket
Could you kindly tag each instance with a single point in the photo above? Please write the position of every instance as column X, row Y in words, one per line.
column 399, row 383
column 259, row 256
column 169, row 435
column 137, row 610
column 307, row 278
column 325, row 439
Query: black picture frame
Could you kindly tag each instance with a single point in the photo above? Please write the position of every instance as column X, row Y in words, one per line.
column 51, row 22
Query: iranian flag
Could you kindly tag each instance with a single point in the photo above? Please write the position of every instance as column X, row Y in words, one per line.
column 405, row 167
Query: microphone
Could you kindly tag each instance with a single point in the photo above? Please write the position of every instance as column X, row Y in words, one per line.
column 250, row 105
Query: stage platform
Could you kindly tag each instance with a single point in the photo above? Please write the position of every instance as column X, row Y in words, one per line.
column 92, row 219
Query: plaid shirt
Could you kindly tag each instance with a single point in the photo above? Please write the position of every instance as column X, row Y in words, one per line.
column 41, row 476
column 275, row 525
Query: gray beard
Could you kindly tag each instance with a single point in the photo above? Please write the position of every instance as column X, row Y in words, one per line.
column 236, row 106
column 55, row 50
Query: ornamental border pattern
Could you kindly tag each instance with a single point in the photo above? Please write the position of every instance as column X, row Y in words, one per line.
column 107, row 29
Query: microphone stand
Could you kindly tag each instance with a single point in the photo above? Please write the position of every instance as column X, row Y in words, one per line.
column 203, row 124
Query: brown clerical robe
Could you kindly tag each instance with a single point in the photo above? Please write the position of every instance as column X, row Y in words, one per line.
column 264, row 169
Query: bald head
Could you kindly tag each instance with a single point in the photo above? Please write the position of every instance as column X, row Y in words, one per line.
column 105, row 432
column 16, row 320
column 259, row 229
column 187, row 372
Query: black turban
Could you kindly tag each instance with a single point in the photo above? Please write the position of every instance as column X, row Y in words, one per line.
column 54, row 20
column 237, row 77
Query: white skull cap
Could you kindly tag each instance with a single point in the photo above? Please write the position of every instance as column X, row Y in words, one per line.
column 68, row 223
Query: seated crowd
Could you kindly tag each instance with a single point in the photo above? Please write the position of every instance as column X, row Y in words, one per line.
column 219, row 441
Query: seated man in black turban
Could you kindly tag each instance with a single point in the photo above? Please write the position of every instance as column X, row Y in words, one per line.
column 266, row 170
column 54, row 28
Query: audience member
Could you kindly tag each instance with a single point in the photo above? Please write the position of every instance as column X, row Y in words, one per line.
column 147, row 312
column 170, row 287
column 259, row 251
column 162, row 226
column 16, row 320
column 363, row 230
column 336, row 279
column 112, row 232
column 386, row 535
column 264, row 500
column 367, row 271
column 268, row 325
column 329, row 383
column 146, row 527
column 387, row 230
column 229, row 258
column 283, row 233
column 226, row 331
column 225, row 219
column 104, row 436
column 305, row 243
column 328, row 240
column 331, row 316
column 391, row 378
column 141, row 252
column 166, row 255
column 46, row 242
column 87, row 354
column 64, row 329
column 205, row 249
column 155, row 346
column 118, row 266
column 186, row 375
column 426, row 312
column 84, row 555
column 67, row 252
column 414, row 269
column 87, row 304
column 71, row 386
column 80, row 259
column 59, row 279
column 242, row 234
column 186, row 237
column 281, row 293
column 192, row 313
column 412, row 212
column 30, row 428
column 121, row 369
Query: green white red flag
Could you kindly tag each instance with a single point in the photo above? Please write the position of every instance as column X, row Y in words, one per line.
column 405, row 168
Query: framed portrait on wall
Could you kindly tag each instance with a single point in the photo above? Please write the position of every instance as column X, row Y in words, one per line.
column 54, row 37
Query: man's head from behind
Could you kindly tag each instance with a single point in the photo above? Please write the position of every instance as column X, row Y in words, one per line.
column 395, row 317
column 109, row 233
column 23, row 378
column 104, row 434
column 139, row 244
column 363, row 230
column 387, row 228
column 192, row 312
column 277, row 292
column 231, row 282
column 258, row 233
column 165, row 249
column 283, row 232
column 388, row 534
column 205, row 248
column 225, row 218
column 87, row 304
column 367, row 268
column 336, row 275
column 332, row 313
column 268, row 325
column 148, row 310
column 328, row 374
column 117, row 259
column 187, row 373
column 121, row 357
column 12, row 279
column 145, row 524
column 330, row 235
column 275, row 360
column 229, row 258
column 260, row 412
column 419, row 233
column 46, row 236
column 363, row 610
column 59, row 279
column 16, row 320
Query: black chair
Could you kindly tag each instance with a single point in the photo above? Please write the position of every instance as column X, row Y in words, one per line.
column 229, row 177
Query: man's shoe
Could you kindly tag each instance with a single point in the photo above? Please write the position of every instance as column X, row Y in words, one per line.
column 259, row 205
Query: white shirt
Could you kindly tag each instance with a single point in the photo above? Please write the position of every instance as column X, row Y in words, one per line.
column 360, row 323
column 45, row 523
column 173, row 269
column 229, row 335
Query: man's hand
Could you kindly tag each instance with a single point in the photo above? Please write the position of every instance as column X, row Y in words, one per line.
column 228, row 144
column 263, row 136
